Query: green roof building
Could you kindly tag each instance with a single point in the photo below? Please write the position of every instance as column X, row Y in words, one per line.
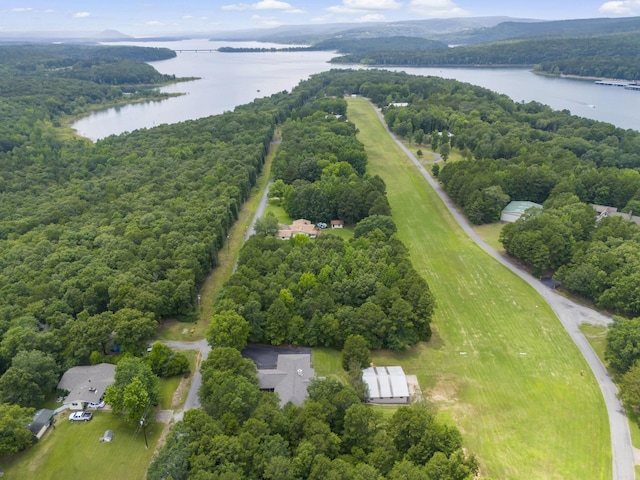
column 515, row 210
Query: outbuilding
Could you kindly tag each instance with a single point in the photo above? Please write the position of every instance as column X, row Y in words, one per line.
column 387, row 385
column 42, row 420
column 516, row 209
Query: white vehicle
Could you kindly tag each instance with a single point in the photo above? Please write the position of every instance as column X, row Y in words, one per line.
column 99, row 404
column 80, row 416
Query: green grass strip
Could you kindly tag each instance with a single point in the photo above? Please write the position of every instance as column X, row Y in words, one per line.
column 500, row 365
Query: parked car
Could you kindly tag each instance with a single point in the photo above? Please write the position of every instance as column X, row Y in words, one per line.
column 99, row 404
column 81, row 416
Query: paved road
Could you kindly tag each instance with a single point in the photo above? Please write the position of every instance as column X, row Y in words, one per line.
column 259, row 212
column 192, row 398
column 571, row 315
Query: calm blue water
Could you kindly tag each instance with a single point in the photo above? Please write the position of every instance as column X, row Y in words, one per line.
column 231, row 79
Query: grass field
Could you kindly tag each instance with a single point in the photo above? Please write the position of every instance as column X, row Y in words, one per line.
column 505, row 372
column 72, row 451
column 490, row 233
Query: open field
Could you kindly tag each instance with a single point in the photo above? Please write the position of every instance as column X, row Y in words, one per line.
column 490, row 233
column 505, row 371
column 327, row 362
column 278, row 211
column 72, row 452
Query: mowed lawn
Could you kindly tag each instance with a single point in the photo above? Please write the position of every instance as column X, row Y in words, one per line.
column 501, row 367
column 72, row 451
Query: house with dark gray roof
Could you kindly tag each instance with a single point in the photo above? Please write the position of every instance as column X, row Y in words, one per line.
column 41, row 422
column 86, row 384
column 289, row 379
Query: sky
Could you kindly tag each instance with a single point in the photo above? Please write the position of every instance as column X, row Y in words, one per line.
column 154, row 17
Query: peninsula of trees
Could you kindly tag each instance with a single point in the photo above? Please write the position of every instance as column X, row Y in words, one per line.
column 611, row 56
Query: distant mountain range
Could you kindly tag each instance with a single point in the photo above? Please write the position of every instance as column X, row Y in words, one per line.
column 309, row 34
column 451, row 31
column 104, row 36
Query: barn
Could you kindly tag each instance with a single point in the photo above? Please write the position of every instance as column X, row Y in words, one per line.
column 387, row 385
column 515, row 210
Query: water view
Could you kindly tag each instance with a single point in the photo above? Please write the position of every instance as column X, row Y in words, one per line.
column 231, row 79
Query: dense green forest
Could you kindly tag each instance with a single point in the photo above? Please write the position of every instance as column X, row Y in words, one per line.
column 359, row 45
column 582, row 27
column 613, row 56
column 40, row 83
column 319, row 292
column 352, row 45
column 320, row 167
column 100, row 241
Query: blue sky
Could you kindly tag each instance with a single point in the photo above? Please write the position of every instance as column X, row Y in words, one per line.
column 152, row 17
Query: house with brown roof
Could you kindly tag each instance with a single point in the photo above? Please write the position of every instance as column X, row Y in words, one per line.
column 337, row 223
column 298, row 227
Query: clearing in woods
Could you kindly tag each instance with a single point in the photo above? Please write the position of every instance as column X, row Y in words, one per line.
column 503, row 370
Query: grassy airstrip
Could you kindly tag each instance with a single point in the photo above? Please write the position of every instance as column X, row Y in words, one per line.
column 500, row 365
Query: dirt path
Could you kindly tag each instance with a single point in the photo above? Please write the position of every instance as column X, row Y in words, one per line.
column 571, row 315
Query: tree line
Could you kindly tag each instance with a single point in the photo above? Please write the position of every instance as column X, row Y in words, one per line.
column 605, row 54
column 320, row 167
column 100, row 241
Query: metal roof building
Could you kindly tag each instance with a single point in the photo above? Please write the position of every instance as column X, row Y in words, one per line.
column 515, row 210
column 386, row 385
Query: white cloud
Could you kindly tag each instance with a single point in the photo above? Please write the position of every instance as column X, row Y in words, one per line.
column 266, row 21
column 624, row 7
column 437, row 8
column 81, row 15
column 360, row 6
column 263, row 5
column 370, row 18
column 154, row 23
column 22, row 9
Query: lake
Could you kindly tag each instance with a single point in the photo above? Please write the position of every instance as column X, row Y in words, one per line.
column 231, row 79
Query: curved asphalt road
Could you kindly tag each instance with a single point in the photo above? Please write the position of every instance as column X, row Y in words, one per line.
column 571, row 315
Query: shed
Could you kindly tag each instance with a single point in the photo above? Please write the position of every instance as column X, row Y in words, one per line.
column 516, row 209
column 41, row 422
column 387, row 385
column 337, row 223
column 107, row 437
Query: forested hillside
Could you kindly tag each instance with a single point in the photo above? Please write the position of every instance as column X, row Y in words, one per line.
column 613, row 56
column 100, row 241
